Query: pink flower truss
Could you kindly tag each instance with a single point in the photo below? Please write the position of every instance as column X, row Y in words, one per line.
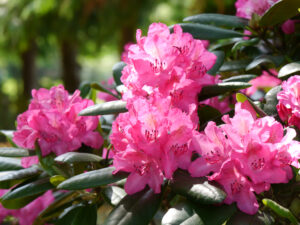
column 27, row 214
column 172, row 64
column 246, row 8
column 52, row 120
column 244, row 154
column 289, row 102
column 150, row 142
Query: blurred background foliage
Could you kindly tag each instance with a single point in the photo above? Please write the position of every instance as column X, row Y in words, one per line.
column 46, row 42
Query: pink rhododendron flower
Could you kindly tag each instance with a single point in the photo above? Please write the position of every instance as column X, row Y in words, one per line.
column 109, row 85
column 244, row 154
column 150, row 142
column 246, row 8
column 288, row 27
column 289, row 105
column 263, row 82
column 52, row 120
column 27, row 162
column 28, row 213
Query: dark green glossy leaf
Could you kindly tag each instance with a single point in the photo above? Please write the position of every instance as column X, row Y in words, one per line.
column 137, row 209
column 114, row 194
column 182, row 214
column 75, row 157
column 7, row 164
column 117, row 72
column 9, row 136
column 280, row 12
column 33, row 188
column 91, row 179
column 260, row 218
column 235, row 65
column 196, row 189
column 288, row 70
column 18, row 203
column 280, row 210
column 14, row 177
column 101, row 88
column 271, row 101
column 15, row 152
column 207, row 32
column 84, row 88
column 243, row 43
column 105, row 108
column 224, row 43
column 214, row 215
column 265, row 59
column 221, row 88
column 207, row 113
column 217, row 20
column 219, row 62
column 240, row 78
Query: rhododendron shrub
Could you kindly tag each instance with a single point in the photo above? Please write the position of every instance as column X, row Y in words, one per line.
column 199, row 125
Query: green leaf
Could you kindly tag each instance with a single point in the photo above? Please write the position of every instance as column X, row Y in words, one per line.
column 242, row 98
column 214, row 215
column 240, row 78
column 101, row 88
column 114, row 194
column 264, row 59
column 85, row 88
column 280, row 12
column 74, row 157
column 238, row 45
column 221, row 88
column 181, row 214
column 105, row 108
column 206, row 32
column 117, row 72
column 9, row 136
column 57, row 179
column 224, row 43
column 14, row 177
column 136, row 209
column 235, row 65
column 18, row 203
column 219, row 62
column 271, row 101
column 207, row 113
column 15, row 152
column 260, row 218
column 198, row 190
column 92, row 179
column 288, row 70
column 217, row 20
column 7, row 164
column 280, row 210
column 29, row 189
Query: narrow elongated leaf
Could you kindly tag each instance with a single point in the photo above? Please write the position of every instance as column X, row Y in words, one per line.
column 14, row 177
column 240, row 78
column 224, row 43
column 84, row 88
column 280, row 210
column 91, row 179
column 235, row 65
column 243, row 43
column 207, row 32
column 114, row 194
column 105, row 108
column 101, row 88
column 264, row 59
column 271, row 101
column 182, row 214
column 217, row 20
column 221, row 88
column 219, row 62
column 18, row 203
column 15, row 152
column 137, row 209
column 33, row 188
column 260, row 218
column 7, row 164
column 117, row 72
column 196, row 189
column 280, row 12
column 73, row 157
column 288, row 70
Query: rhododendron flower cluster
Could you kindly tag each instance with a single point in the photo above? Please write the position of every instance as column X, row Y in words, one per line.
column 27, row 214
column 289, row 103
column 244, row 154
column 52, row 120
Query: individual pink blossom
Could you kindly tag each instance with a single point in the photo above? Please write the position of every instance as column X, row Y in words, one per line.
column 150, row 142
column 263, row 82
column 288, row 27
column 109, row 85
column 52, row 121
column 246, row 8
column 30, row 212
column 288, row 105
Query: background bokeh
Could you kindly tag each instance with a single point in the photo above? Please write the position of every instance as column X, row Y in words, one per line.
column 47, row 42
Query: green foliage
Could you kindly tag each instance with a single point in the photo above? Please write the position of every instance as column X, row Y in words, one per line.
column 112, row 107
column 219, row 62
column 75, row 157
column 288, row 70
